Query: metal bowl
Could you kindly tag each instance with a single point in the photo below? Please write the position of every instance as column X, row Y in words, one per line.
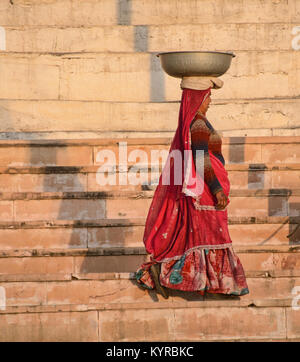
column 195, row 63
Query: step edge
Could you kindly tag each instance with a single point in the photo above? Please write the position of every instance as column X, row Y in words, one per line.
column 141, row 141
column 128, row 222
column 280, row 192
column 126, row 251
column 235, row 167
column 54, row 308
column 90, row 277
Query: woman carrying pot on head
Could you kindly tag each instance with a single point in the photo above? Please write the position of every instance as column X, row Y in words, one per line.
column 186, row 232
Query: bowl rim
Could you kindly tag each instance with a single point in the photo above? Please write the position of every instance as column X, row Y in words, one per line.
column 197, row 51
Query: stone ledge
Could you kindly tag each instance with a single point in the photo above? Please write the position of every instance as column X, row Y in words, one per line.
column 132, row 195
column 128, row 251
column 247, row 167
column 20, row 278
column 142, row 141
column 98, row 223
column 230, row 303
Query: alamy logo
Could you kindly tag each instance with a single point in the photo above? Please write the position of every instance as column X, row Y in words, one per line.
column 123, row 167
column 2, row 298
column 296, row 39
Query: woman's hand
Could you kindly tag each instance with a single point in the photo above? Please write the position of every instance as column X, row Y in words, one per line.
column 222, row 200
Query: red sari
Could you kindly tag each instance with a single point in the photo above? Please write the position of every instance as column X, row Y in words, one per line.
column 184, row 232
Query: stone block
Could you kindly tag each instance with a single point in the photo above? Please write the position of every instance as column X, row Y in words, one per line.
column 29, row 77
column 45, row 156
column 136, row 325
column 293, row 322
column 43, row 182
column 6, row 210
column 43, row 238
column 229, row 324
column 59, row 209
column 50, row 327
column 36, row 265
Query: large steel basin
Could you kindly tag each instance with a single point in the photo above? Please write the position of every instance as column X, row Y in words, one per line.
column 195, row 63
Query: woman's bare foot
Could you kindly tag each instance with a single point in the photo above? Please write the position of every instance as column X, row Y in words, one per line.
column 155, row 271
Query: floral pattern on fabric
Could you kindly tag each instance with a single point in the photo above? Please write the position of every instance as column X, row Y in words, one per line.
column 209, row 270
column 175, row 276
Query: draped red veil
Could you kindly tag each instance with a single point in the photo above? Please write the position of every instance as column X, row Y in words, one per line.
column 166, row 230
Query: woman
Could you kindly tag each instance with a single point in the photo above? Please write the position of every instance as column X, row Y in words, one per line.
column 186, row 231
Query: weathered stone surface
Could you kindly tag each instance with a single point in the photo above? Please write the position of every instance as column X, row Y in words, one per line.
column 223, row 323
column 65, row 40
column 18, row 294
column 293, row 322
column 136, row 325
column 33, row 77
column 117, row 236
column 65, row 209
column 269, row 261
column 208, row 324
column 50, row 327
column 260, row 234
column 36, row 265
column 98, row 291
column 263, row 261
column 159, row 38
column 83, row 179
column 157, row 12
column 143, row 12
column 43, row 182
column 126, row 233
column 275, row 153
column 228, row 116
column 108, row 76
column 6, row 210
column 37, row 238
column 226, row 36
column 100, row 264
column 117, row 291
column 255, row 75
column 45, row 156
column 58, row 13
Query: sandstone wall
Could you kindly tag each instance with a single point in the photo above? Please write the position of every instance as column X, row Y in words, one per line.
column 74, row 68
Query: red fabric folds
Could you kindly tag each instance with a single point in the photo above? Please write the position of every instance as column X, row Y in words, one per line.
column 172, row 213
column 183, row 224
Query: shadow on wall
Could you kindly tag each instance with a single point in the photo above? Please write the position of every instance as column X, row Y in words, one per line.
column 80, row 234
column 141, row 45
column 278, row 199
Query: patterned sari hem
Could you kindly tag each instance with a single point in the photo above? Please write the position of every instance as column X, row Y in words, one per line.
column 209, row 270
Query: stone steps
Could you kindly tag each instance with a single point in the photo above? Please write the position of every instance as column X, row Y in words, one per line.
column 107, row 233
column 107, row 260
column 88, row 69
column 71, row 152
column 84, row 178
column 29, row 206
column 118, row 288
column 68, row 250
column 212, row 321
column 110, row 307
